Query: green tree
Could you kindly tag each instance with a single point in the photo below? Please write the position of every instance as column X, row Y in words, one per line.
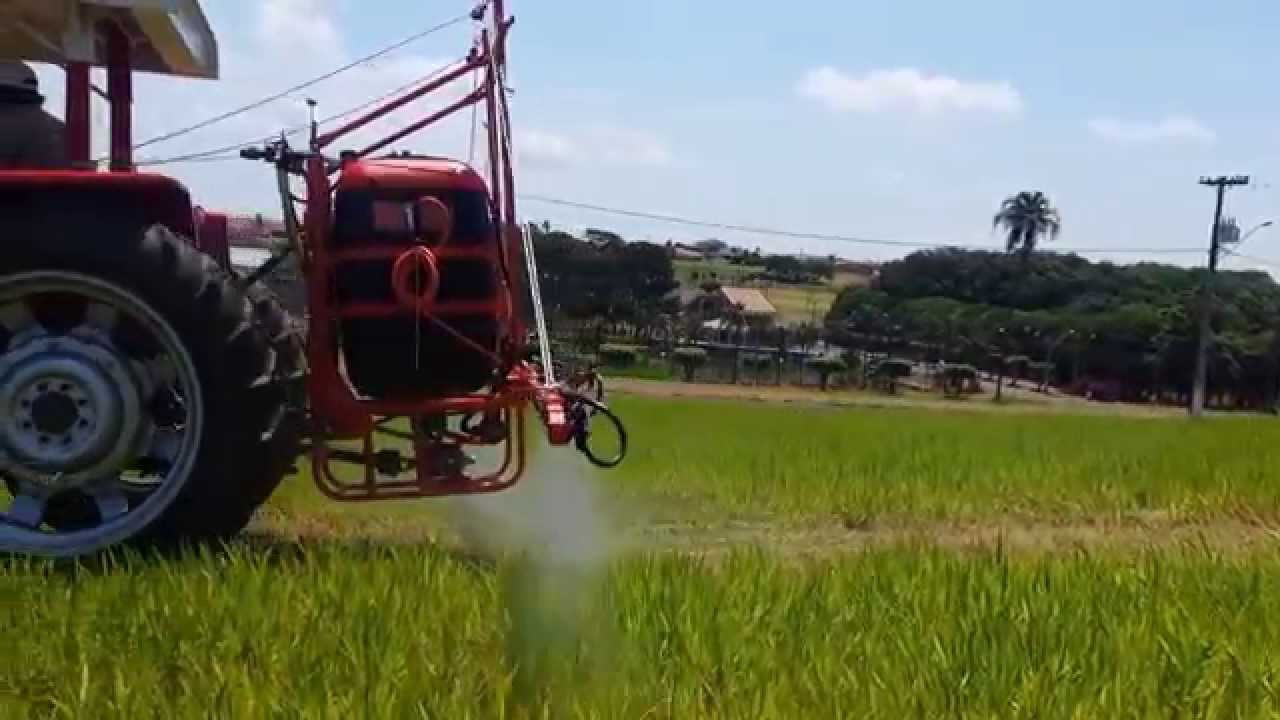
column 1026, row 218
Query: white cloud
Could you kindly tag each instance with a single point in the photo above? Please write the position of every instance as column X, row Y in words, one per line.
column 1174, row 128
column 543, row 148
column 907, row 90
column 615, row 145
column 601, row 145
column 282, row 23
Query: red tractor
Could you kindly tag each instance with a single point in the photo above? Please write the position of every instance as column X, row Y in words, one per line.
column 150, row 394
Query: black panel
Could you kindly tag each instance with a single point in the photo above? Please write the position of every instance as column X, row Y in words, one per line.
column 408, row 355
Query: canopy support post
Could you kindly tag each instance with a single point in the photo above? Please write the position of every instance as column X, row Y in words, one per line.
column 79, row 127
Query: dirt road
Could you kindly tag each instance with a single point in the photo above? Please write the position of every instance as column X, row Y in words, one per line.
column 1016, row 399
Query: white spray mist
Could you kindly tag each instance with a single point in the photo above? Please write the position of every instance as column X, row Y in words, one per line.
column 554, row 542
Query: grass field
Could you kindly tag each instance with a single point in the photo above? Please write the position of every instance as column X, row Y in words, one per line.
column 725, row 273
column 801, row 304
column 751, row 560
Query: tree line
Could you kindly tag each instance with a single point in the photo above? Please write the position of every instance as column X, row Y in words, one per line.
column 1121, row 332
column 1128, row 331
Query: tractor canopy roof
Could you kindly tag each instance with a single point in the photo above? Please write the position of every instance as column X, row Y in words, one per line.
column 168, row 37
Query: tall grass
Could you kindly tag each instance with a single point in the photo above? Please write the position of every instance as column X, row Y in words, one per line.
column 747, row 458
column 550, row 623
column 334, row 631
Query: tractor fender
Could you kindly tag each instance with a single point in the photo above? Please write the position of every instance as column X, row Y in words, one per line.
column 212, row 236
column 47, row 198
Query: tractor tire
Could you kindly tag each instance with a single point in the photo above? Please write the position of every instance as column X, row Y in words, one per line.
column 285, row 430
column 238, row 393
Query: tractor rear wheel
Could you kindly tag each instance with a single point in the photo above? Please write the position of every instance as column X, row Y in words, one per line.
column 144, row 398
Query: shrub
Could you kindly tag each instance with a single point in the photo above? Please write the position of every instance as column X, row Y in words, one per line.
column 958, row 379
column 620, row 356
column 1015, row 366
column 826, row 366
column 894, row 368
column 689, row 359
column 758, row 361
column 1016, row 362
column 889, row 371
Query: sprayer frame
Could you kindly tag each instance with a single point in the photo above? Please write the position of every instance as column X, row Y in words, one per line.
column 336, row 412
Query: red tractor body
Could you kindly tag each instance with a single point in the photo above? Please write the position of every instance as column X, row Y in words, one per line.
column 415, row 349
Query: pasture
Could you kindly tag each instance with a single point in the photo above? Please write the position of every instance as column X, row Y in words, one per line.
column 796, row 304
column 750, row 560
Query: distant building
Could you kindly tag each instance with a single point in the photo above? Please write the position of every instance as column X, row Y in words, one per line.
column 756, row 308
column 680, row 252
column 753, row 302
column 253, row 231
column 858, row 268
column 857, row 274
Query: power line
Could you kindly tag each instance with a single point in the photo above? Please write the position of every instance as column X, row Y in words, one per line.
column 819, row 236
column 1257, row 260
column 217, row 154
column 728, row 226
column 303, row 86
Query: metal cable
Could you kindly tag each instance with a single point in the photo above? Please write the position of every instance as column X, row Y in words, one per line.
column 304, row 85
column 219, row 153
column 674, row 219
column 526, row 235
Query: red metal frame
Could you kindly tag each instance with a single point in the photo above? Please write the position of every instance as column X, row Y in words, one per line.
column 338, row 413
column 335, row 407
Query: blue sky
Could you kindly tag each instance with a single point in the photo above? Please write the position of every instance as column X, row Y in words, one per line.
column 901, row 121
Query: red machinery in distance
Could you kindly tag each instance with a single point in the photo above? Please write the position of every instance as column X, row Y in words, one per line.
column 414, row 301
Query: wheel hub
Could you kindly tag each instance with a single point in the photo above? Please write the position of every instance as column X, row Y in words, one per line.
column 69, row 410
column 55, row 413
column 88, row 455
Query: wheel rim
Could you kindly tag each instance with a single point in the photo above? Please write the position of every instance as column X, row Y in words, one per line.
column 101, row 414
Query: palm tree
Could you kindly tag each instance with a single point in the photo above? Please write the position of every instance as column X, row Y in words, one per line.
column 1027, row 217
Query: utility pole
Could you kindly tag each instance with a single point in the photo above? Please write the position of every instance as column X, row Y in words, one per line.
column 1222, row 182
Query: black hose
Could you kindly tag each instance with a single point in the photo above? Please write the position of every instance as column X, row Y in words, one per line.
column 582, row 428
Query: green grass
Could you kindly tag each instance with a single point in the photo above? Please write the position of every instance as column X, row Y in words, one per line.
column 732, row 457
column 364, row 632
column 368, row 621
column 652, row 370
column 801, row 304
column 725, row 273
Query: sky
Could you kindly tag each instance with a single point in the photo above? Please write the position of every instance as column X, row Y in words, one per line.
column 907, row 121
